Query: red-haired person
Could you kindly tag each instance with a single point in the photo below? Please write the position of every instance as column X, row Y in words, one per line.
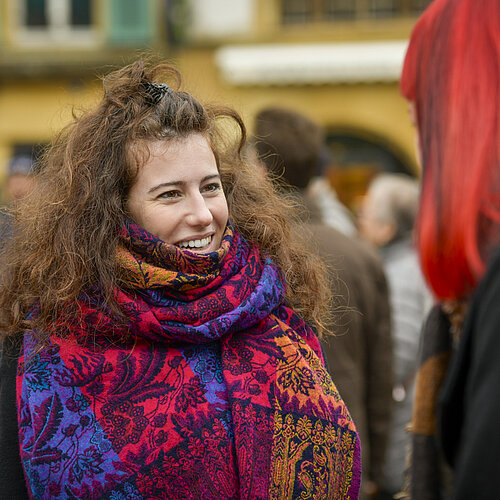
column 451, row 77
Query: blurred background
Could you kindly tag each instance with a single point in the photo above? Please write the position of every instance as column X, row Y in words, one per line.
column 337, row 61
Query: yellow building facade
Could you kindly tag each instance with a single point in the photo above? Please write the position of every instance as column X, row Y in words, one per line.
column 337, row 61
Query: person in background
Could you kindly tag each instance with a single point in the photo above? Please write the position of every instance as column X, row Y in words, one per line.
column 18, row 184
column 161, row 304
column 386, row 220
column 359, row 354
column 19, row 181
column 333, row 212
column 451, row 79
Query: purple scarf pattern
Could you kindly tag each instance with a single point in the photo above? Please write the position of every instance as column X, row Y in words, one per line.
column 214, row 390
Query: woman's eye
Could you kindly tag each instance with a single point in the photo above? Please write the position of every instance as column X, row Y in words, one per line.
column 169, row 195
column 211, row 188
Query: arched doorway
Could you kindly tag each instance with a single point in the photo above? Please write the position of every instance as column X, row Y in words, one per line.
column 354, row 159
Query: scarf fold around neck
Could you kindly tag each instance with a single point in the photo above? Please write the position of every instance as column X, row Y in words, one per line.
column 214, row 390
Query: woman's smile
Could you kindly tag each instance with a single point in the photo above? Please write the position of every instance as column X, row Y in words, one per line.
column 195, row 244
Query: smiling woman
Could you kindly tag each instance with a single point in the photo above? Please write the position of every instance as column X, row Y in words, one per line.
column 156, row 304
column 178, row 195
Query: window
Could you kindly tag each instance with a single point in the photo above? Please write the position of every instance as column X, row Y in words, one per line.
column 297, row 11
column 51, row 21
column 419, row 5
column 35, row 14
column 81, row 14
column 383, row 8
column 131, row 22
column 306, row 11
column 339, row 9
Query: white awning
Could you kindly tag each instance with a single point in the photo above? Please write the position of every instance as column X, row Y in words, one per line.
column 314, row 64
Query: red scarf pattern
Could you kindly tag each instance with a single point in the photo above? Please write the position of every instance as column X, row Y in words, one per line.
column 215, row 390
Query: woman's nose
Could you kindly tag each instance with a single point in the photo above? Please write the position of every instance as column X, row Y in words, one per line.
column 199, row 212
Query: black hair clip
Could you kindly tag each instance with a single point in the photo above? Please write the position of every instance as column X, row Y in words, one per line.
column 156, row 91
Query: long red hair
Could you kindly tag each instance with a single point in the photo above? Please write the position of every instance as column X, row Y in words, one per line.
column 452, row 75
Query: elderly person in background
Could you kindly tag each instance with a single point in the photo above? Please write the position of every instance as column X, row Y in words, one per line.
column 386, row 220
column 359, row 353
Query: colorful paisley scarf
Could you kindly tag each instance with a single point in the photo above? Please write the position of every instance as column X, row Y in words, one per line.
column 216, row 389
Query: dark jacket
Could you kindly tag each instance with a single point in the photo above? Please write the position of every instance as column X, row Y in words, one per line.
column 12, row 484
column 470, row 402
column 359, row 356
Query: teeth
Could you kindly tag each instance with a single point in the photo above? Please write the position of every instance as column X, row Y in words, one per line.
column 196, row 243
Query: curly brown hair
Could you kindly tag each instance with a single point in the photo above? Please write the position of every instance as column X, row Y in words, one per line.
column 67, row 231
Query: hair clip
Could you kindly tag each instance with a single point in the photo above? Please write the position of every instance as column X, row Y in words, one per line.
column 156, row 91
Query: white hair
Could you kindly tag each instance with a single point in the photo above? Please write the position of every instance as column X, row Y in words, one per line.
column 394, row 198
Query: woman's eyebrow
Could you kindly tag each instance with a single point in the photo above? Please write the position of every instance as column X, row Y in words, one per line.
column 166, row 184
column 181, row 183
column 210, row 177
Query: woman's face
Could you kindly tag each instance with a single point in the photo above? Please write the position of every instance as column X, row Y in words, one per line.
column 178, row 195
